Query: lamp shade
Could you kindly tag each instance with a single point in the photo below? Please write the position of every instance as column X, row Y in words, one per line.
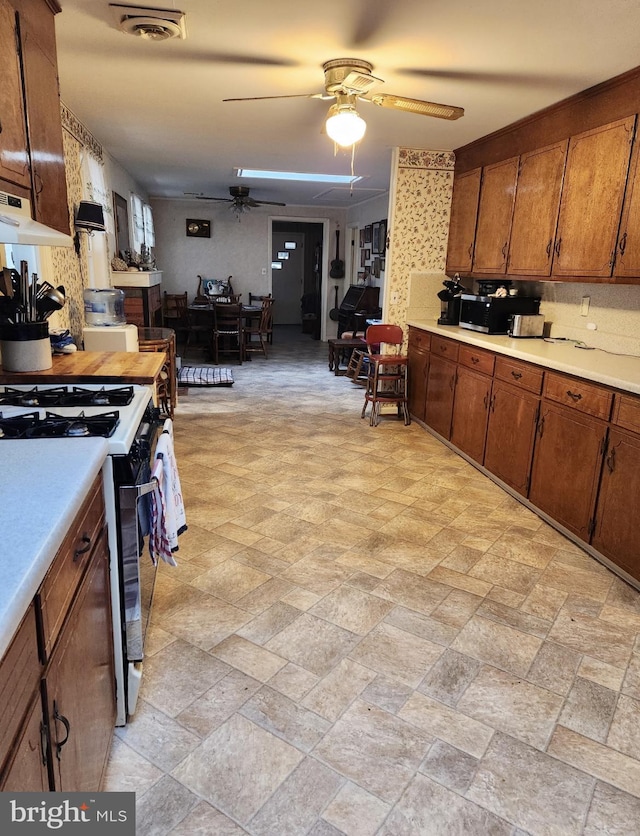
column 90, row 216
column 344, row 125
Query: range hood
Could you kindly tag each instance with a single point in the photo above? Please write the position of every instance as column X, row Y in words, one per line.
column 18, row 227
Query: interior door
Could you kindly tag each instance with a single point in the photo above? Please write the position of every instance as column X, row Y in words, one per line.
column 287, row 282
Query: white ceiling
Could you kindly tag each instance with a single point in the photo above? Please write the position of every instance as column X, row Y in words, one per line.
column 157, row 106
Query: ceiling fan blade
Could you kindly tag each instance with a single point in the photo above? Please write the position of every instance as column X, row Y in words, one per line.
column 204, row 197
column 371, row 21
column 290, row 96
column 440, row 111
column 268, row 203
column 477, row 76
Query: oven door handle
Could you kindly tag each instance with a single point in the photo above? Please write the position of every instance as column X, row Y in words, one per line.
column 129, row 494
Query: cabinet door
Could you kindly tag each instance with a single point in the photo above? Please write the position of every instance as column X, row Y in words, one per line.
column 462, row 225
column 617, row 532
column 628, row 249
column 79, row 682
column 566, row 466
column 535, row 213
column 591, row 203
column 497, row 196
column 27, row 771
column 440, row 390
column 470, row 412
column 44, row 131
column 14, row 159
column 512, row 426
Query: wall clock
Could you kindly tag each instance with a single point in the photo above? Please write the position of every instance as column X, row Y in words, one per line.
column 197, row 228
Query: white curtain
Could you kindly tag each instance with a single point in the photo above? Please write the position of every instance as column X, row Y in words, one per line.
column 137, row 219
column 94, row 188
column 149, row 233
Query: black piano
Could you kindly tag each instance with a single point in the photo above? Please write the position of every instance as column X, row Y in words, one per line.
column 359, row 304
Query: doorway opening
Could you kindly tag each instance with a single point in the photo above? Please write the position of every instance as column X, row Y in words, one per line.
column 296, row 275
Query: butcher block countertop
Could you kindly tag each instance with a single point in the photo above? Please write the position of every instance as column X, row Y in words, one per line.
column 124, row 367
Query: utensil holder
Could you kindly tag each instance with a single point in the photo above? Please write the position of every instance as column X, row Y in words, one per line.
column 25, row 347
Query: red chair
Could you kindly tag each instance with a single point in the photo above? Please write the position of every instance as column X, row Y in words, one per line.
column 387, row 373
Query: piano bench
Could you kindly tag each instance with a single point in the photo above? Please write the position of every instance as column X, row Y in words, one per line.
column 340, row 352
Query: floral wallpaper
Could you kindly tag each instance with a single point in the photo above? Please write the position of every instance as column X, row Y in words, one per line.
column 420, row 223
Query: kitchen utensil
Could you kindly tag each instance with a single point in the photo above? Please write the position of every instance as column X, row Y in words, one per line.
column 6, row 281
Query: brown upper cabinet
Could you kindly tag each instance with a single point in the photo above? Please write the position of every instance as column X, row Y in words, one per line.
column 462, row 225
column 497, row 196
column 535, row 214
column 592, row 195
column 628, row 251
column 14, row 157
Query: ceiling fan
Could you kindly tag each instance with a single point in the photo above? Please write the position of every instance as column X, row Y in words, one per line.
column 349, row 80
column 240, row 199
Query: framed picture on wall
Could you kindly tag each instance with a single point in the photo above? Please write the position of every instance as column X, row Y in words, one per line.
column 382, row 237
column 363, row 258
column 121, row 215
column 375, row 237
column 362, row 241
column 367, row 234
column 376, row 267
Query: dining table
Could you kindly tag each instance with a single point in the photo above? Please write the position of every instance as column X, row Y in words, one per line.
column 202, row 312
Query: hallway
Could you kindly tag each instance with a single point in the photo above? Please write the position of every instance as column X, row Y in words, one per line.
column 364, row 636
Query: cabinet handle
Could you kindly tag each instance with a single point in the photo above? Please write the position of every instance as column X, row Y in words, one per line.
column 492, row 403
column 38, row 183
column 575, row 396
column 623, row 244
column 557, row 247
column 452, row 382
column 78, row 552
column 44, row 745
column 541, row 427
column 549, row 248
column 611, row 460
column 485, row 400
column 470, row 250
column 516, row 375
column 0, row 126
column 67, row 726
column 504, row 250
column 475, row 360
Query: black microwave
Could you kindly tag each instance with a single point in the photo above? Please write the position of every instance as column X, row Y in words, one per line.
column 492, row 314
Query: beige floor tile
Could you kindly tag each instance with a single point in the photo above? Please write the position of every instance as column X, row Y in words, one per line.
column 249, row 658
column 606, row 675
column 338, row 689
column 313, row 644
column 594, row 637
column 457, row 608
column 612, row 812
column 529, row 552
column 396, row 653
column 238, row 767
column 589, row 709
column 285, row 718
column 268, row 623
column 352, row 609
column 412, row 591
column 511, row 574
column 449, row 677
column 504, row 614
column 498, row 645
column 265, row 595
column 163, row 806
column 230, row 580
column 576, row 580
column 293, row 681
column 356, row 811
column 422, row 625
column 438, row 720
column 206, row 622
column 449, row 766
column 126, row 769
column 457, row 580
column 159, row 739
column 205, row 820
column 544, row 601
column 554, row 668
column 624, row 734
column 217, row 704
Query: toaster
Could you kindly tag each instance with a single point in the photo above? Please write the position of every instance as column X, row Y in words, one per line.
column 526, row 325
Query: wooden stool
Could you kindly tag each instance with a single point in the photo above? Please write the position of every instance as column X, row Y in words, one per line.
column 163, row 339
column 338, row 349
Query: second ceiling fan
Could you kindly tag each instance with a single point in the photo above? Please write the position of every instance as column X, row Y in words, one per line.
column 240, row 199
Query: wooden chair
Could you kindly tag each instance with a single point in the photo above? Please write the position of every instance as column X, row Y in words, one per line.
column 387, row 373
column 151, row 339
column 228, row 330
column 175, row 314
column 259, row 328
column 199, row 331
column 252, row 301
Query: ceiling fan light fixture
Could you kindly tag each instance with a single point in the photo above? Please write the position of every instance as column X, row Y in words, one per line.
column 344, row 124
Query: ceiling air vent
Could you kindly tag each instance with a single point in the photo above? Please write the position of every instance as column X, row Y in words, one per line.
column 150, row 24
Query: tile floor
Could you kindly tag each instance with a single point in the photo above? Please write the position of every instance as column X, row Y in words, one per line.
column 365, row 636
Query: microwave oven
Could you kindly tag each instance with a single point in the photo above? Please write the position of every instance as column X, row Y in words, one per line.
column 493, row 314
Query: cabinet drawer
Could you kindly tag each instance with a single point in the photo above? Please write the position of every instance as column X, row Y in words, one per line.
column 444, row 348
column 578, row 394
column 61, row 581
column 481, row 361
column 626, row 412
column 521, row 374
column 419, row 339
column 20, row 671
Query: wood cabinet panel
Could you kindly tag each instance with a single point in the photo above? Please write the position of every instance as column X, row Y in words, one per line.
column 14, row 157
column 476, row 358
column 511, row 433
column 79, row 684
column 617, row 531
column 27, row 770
column 418, row 352
column 535, row 213
column 442, row 347
column 440, row 391
column 628, row 249
column 470, row 412
column 626, row 412
column 579, row 395
column 566, row 466
column 495, row 211
column 591, row 202
column 462, row 224
column 523, row 375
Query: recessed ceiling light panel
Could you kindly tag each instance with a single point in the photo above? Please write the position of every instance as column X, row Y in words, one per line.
column 150, row 24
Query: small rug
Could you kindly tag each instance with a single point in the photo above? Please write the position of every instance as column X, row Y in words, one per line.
column 204, row 376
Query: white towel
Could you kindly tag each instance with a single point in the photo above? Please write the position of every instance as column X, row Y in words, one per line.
column 158, row 542
column 170, row 520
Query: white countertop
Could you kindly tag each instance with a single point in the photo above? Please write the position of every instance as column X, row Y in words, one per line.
column 44, row 481
column 620, row 372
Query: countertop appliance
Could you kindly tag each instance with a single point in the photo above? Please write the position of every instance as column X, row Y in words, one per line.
column 526, row 325
column 492, row 314
column 450, row 301
column 127, row 418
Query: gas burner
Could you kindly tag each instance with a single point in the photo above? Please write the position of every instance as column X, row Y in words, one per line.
column 66, row 396
column 32, row 425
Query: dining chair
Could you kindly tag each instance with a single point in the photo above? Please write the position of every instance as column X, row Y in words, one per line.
column 253, row 298
column 228, row 330
column 199, row 330
column 175, row 314
column 258, row 328
column 386, row 373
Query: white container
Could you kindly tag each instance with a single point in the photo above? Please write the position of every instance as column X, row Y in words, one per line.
column 110, row 337
column 104, row 306
column 25, row 347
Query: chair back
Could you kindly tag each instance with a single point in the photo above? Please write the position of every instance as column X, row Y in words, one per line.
column 254, row 298
column 266, row 317
column 227, row 318
column 175, row 306
column 390, row 335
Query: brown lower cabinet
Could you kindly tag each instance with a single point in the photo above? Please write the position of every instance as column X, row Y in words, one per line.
column 419, row 343
column 569, row 446
column 57, row 684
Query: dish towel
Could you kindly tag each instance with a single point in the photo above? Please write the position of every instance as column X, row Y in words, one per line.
column 168, row 518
